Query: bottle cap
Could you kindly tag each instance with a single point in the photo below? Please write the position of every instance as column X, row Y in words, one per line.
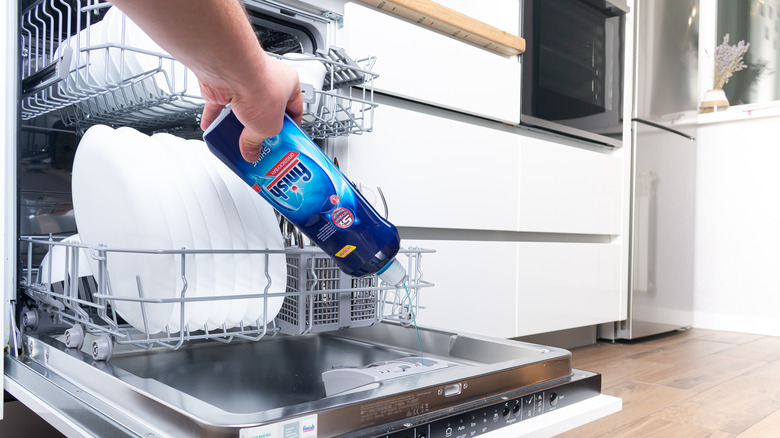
column 393, row 273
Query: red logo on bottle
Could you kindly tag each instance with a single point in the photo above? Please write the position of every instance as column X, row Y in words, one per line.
column 342, row 218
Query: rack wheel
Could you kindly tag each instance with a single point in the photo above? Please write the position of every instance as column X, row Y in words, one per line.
column 74, row 337
column 30, row 319
column 102, row 348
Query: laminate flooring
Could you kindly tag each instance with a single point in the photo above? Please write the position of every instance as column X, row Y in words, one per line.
column 694, row 383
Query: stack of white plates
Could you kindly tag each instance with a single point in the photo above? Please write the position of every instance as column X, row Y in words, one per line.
column 116, row 60
column 132, row 191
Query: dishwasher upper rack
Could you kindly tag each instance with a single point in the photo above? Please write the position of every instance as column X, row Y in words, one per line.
column 85, row 305
column 162, row 94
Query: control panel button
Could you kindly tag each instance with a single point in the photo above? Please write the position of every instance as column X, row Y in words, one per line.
column 451, row 390
column 553, row 399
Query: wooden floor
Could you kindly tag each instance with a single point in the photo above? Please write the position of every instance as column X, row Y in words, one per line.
column 696, row 383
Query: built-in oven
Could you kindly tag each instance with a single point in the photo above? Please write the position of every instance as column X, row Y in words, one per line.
column 572, row 69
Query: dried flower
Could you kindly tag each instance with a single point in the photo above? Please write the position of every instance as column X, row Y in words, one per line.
column 728, row 59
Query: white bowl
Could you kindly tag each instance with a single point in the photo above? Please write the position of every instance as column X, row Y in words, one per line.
column 56, row 260
column 311, row 71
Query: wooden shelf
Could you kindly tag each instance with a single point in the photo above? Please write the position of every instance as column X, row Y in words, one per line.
column 445, row 20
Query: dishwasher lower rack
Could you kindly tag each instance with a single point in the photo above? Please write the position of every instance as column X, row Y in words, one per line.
column 91, row 75
column 319, row 297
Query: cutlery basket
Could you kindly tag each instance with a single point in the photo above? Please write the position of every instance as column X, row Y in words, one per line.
column 325, row 309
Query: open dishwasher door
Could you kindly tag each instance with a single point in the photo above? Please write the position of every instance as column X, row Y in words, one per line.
column 465, row 384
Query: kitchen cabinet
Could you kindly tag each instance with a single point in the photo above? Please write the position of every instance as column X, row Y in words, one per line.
column 510, row 289
column 423, row 65
column 475, row 290
column 569, row 189
column 439, row 172
column 524, row 224
column 443, row 172
column 564, row 285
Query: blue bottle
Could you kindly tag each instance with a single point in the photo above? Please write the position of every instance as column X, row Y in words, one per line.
column 304, row 185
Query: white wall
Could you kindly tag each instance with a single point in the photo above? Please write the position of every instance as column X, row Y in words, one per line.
column 737, row 251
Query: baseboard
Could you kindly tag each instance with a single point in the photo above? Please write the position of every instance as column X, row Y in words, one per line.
column 737, row 323
column 567, row 339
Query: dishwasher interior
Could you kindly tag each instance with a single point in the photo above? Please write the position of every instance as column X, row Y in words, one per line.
column 343, row 356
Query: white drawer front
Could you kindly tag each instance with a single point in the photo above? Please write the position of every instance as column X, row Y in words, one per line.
column 566, row 189
column 422, row 65
column 566, row 285
column 475, row 286
column 437, row 172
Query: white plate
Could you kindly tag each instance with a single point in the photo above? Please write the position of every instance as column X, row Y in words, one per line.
column 87, row 68
column 125, row 66
column 171, row 77
column 185, row 216
column 156, row 167
column 262, row 232
column 116, row 204
column 234, row 238
column 246, row 273
column 57, row 259
column 277, row 264
column 204, row 211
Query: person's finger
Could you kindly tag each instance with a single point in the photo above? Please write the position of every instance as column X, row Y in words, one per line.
column 249, row 142
column 210, row 113
column 294, row 107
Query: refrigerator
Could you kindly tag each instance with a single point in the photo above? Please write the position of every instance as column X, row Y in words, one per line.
column 660, row 290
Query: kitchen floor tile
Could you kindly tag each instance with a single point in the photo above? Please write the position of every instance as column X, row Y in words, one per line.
column 690, row 384
column 733, row 406
column 770, row 370
column 729, row 337
column 767, row 349
column 701, row 373
column 639, row 400
column 768, row 427
column 681, row 351
column 650, row 427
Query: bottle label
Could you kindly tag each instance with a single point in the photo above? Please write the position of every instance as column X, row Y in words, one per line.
column 343, row 252
column 304, row 185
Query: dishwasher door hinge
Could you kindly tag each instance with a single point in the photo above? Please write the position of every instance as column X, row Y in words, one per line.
column 338, row 18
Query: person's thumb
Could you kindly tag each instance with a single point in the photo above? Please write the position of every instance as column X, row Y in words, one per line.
column 249, row 143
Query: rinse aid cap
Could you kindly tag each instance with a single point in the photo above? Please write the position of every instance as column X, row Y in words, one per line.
column 393, row 273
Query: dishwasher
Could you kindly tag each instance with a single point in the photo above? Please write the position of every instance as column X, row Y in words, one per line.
column 343, row 356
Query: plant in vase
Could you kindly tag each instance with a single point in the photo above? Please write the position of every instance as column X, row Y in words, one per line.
column 728, row 59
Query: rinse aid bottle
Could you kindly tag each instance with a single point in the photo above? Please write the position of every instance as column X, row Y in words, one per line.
column 303, row 184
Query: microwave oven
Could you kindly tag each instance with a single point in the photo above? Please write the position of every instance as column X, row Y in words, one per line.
column 572, row 69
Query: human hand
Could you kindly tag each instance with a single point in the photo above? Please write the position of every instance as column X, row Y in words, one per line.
column 258, row 102
column 214, row 39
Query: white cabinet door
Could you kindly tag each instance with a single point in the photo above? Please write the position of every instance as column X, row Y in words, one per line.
column 566, row 189
column 420, row 64
column 566, row 285
column 509, row 289
column 475, row 286
column 437, row 172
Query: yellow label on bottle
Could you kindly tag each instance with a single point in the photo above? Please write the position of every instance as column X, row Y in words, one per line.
column 343, row 252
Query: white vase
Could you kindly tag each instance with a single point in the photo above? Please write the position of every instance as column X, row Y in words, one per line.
column 714, row 100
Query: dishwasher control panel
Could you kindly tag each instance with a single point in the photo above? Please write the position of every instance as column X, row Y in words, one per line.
column 471, row 422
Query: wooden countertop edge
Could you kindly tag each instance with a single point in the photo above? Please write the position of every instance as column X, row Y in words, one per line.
column 458, row 25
